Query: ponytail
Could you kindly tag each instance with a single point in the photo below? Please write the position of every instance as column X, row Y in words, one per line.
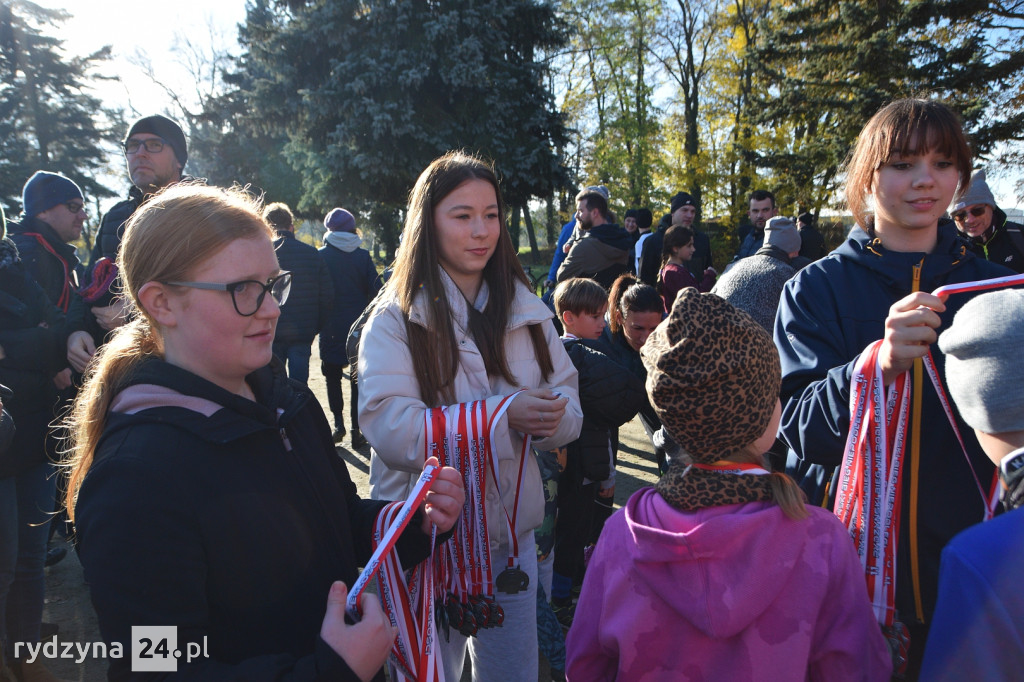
column 107, row 376
column 788, row 495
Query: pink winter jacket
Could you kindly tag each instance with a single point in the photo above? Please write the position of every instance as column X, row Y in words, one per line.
column 739, row 592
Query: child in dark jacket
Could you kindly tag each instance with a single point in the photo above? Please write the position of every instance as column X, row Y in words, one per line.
column 610, row 396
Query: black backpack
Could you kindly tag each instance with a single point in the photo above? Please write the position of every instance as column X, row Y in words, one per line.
column 355, row 332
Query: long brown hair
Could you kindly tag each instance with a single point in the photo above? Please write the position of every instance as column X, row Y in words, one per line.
column 168, row 237
column 417, row 269
column 905, row 127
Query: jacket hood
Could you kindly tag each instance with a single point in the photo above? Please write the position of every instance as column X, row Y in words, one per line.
column 709, row 560
column 612, row 235
column 215, row 414
column 896, row 267
column 343, row 241
column 526, row 307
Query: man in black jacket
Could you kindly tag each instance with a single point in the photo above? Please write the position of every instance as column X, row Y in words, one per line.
column 986, row 228
column 683, row 211
column 307, row 308
column 155, row 152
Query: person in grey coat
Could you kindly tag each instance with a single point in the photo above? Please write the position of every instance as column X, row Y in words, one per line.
column 754, row 284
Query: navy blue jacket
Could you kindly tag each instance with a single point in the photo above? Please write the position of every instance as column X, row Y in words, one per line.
column 305, row 312
column 32, row 337
column 57, row 268
column 356, row 282
column 828, row 315
column 227, row 518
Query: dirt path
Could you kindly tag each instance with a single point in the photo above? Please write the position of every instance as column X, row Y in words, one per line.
column 67, row 595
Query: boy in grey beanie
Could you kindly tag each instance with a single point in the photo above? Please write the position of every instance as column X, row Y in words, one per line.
column 978, row 625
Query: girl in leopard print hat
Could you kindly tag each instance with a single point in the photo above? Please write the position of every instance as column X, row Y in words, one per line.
column 721, row 571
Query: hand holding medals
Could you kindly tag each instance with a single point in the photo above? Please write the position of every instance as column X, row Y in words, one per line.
column 537, row 412
column 909, row 332
column 445, row 498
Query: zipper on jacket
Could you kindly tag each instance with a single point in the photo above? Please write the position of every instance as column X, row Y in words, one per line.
column 915, row 464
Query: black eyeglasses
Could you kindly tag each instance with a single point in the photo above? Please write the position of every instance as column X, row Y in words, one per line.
column 248, row 294
column 977, row 212
column 153, row 145
column 75, row 207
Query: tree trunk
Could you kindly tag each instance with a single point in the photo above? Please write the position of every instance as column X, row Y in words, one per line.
column 534, row 256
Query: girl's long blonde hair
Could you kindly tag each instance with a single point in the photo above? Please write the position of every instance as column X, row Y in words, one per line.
column 166, row 238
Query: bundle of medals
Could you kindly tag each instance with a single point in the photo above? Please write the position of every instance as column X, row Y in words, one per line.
column 460, row 436
column 455, row 584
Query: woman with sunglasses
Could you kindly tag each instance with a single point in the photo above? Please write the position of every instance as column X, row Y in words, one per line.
column 205, row 489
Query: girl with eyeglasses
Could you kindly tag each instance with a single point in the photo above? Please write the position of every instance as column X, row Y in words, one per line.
column 205, row 488
column 459, row 324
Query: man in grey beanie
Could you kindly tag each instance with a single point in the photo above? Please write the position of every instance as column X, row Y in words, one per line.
column 978, row 626
column 985, row 226
column 754, row 284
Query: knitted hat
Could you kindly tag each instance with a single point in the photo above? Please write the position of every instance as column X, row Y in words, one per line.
column 781, row 232
column 600, row 189
column 805, row 218
column 45, row 190
column 977, row 193
column 644, row 218
column 631, row 213
column 713, row 376
column 680, row 200
column 983, row 367
column 165, row 128
column 340, row 220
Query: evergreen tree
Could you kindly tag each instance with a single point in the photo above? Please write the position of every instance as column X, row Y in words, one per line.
column 48, row 118
column 368, row 93
column 829, row 66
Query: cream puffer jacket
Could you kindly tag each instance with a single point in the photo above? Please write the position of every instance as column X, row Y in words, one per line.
column 391, row 412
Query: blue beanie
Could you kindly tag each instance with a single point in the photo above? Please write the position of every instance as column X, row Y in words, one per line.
column 45, row 190
column 340, row 220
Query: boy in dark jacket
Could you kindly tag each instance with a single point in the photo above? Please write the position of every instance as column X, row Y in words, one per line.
column 610, row 396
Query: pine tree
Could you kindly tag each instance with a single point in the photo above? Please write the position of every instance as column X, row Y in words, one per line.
column 828, row 66
column 48, row 118
column 368, row 93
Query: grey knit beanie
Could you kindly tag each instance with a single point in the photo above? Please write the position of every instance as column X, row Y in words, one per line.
column 983, row 367
column 781, row 232
column 977, row 193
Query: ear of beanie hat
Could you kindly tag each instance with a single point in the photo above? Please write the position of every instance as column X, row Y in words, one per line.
column 44, row 190
column 781, row 232
column 977, row 192
column 984, row 371
column 713, row 376
column 167, row 129
column 681, row 199
column 340, row 220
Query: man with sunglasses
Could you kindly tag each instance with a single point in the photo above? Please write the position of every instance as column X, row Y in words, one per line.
column 54, row 212
column 988, row 232
column 155, row 152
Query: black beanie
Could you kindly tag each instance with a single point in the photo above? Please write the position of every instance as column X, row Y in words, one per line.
column 682, row 199
column 165, row 128
column 644, row 218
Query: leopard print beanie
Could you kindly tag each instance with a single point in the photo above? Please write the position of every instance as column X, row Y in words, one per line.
column 713, row 376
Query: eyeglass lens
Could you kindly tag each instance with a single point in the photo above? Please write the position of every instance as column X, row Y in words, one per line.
column 248, row 296
column 153, row 145
column 75, row 207
column 976, row 212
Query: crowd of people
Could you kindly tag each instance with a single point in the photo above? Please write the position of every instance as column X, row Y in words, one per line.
column 829, row 429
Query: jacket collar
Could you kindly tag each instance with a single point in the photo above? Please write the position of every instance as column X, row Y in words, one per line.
column 66, row 251
column 897, row 266
column 526, row 307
